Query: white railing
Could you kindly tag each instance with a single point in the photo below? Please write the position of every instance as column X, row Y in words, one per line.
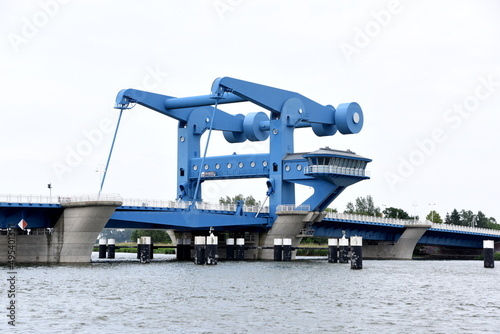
column 18, row 198
column 461, row 228
column 54, row 199
column 330, row 169
column 410, row 222
column 371, row 219
column 141, row 202
column 90, row 197
column 293, row 207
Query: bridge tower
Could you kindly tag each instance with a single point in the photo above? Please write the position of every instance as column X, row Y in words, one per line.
column 327, row 171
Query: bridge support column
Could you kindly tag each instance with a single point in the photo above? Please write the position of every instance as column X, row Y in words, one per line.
column 402, row 249
column 287, row 225
column 73, row 236
column 79, row 227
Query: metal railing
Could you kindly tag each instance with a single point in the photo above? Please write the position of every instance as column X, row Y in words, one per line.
column 330, row 169
column 461, row 228
column 141, row 202
column 293, row 207
column 18, row 198
column 43, row 199
column 410, row 222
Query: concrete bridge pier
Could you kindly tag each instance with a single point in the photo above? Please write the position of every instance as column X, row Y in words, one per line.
column 71, row 239
column 288, row 224
column 400, row 250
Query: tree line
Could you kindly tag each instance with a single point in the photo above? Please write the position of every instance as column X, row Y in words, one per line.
column 366, row 206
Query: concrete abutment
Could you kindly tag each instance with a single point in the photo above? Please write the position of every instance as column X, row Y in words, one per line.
column 72, row 238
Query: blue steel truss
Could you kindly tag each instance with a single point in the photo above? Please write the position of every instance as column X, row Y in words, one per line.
column 327, row 171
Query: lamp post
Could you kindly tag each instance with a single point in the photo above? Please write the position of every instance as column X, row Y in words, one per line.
column 415, row 212
column 100, row 170
column 50, row 192
column 432, row 211
column 473, row 221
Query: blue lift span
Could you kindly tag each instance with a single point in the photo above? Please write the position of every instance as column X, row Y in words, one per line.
column 327, row 171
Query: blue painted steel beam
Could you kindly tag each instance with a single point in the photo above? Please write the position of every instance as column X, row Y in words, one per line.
column 37, row 215
column 184, row 219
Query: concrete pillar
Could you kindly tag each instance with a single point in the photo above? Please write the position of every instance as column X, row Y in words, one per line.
column 74, row 234
column 287, row 225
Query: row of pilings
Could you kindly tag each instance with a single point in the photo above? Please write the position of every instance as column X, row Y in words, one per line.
column 340, row 250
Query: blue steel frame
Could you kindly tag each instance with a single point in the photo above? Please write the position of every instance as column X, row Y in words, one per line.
column 287, row 111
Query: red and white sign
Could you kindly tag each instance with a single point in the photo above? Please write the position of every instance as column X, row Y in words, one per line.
column 22, row 224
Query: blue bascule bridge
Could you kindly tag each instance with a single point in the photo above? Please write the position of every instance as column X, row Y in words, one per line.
column 327, row 171
column 66, row 230
column 278, row 114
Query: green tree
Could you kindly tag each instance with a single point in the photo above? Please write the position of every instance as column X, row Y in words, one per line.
column 249, row 200
column 363, row 206
column 156, row 235
column 453, row 218
column 434, row 217
column 466, row 217
column 392, row 212
column 120, row 235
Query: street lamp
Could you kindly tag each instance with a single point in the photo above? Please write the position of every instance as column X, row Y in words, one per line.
column 100, row 170
column 432, row 212
column 415, row 212
column 50, row 192
column 473, row 221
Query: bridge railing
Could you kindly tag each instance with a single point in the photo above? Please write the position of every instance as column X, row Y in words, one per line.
column 141, row 202
column 461, row 228
column 55, row 199
column 90, row 198
column 293, row 207
column 409, row 222
column 371, row 219
column 19, row 198
column 330, row 169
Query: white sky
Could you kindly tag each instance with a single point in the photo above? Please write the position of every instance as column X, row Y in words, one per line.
column 424, row 72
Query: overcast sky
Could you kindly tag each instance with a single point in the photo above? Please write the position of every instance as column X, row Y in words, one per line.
column 426, row 73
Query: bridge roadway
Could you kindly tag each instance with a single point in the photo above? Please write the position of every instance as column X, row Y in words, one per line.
column 42, row 213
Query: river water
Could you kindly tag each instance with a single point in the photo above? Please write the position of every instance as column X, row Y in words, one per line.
column 307, row 295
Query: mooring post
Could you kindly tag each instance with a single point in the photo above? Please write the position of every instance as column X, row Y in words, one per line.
column 343, row 250
column 212, row 249
column 102, row 248
column 179, row 250
column 199, row 250
column 184, row 249
column 333, row 245
column 111, row 248
column 287, row 249
column 145, row 249
column 230, row 249
column 489, row 253
column 278, row 249
column 240, row 249
column 356, row 252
